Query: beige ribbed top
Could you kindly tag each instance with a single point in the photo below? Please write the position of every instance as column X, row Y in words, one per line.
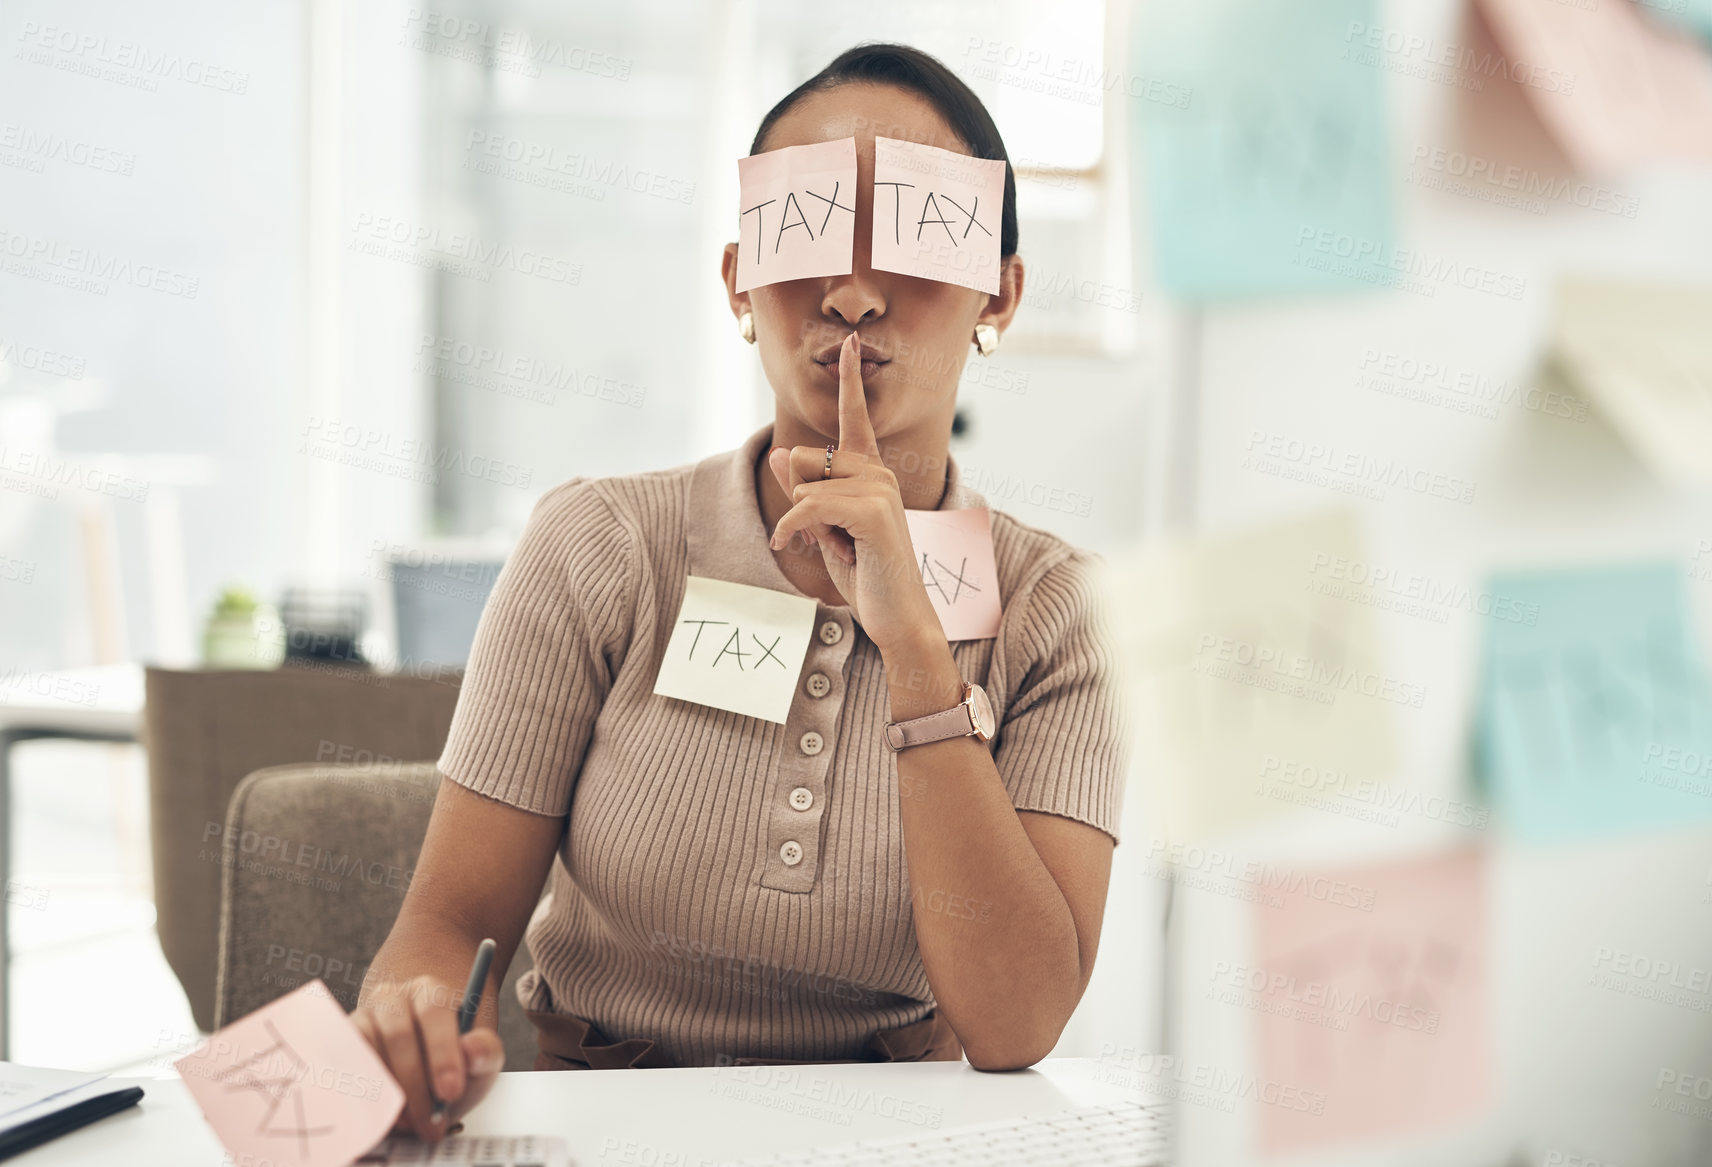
column 670, row 913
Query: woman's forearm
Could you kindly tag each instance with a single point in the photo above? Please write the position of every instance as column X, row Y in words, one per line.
column 997, row 938
column 476, row 859
column 422, row 945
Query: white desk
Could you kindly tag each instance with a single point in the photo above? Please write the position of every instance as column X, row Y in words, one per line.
column 661, row 1118
column 105, row 700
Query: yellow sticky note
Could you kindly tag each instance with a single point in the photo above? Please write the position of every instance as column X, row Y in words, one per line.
column 1241, row 659
column 737, row 647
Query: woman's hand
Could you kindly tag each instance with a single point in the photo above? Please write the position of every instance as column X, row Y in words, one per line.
column 413, row 1026
column 856, row 518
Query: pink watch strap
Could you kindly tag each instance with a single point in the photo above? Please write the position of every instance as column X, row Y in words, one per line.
column 953, row 722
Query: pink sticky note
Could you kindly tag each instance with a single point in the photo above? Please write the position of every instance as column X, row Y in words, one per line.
column 294, row 1084
column 796, row 213
column 954, row 552
column 1615, row 88
column 1370, row 998
column 936, row 214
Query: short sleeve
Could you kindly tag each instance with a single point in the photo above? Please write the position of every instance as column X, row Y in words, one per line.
column 1064, row 737
column 550, row 640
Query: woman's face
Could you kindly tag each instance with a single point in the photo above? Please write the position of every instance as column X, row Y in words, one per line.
column 920, row 331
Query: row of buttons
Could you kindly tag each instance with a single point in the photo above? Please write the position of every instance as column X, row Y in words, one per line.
column 791, row 852
column 811, row 743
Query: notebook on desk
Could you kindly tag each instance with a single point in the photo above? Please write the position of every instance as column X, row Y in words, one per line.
column 39, row 1104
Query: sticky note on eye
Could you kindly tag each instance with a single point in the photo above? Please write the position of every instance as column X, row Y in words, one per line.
column 294, row 1083
column 937, row 214
column 796, row 213
column 954, row 550
column 737, row 647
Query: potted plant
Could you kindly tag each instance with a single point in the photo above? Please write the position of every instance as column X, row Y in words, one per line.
column 242, row 633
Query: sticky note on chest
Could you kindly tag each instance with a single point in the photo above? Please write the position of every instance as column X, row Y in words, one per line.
column 796, row 213
column 954, row 551
column 737, row 647
column 937, row 214
column 294, row 1084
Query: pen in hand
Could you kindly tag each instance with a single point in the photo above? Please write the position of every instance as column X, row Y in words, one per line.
column 468, row 1007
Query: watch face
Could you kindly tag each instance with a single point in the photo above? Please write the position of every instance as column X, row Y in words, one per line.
column 983, row 711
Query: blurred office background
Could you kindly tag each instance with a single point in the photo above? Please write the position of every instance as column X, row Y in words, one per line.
column 1368, row 342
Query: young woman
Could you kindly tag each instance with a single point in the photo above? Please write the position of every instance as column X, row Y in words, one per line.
column 730, row 890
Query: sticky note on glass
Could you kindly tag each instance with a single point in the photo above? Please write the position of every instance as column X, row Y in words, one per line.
column 1238, row 654
column 1595, row 711
column 1282, row 128
column 954, row 551
column 1372, row 1003
column 1581, row 71
column 796, row 213
column 737, row 647
column 294, row 1084
column 937, row 214
column 1642, row 353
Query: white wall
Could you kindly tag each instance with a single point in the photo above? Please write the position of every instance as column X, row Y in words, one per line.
column 213, row 194
column 205, row 397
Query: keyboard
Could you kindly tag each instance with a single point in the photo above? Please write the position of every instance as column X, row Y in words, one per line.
column 1128, row 1135
column 468, row 1151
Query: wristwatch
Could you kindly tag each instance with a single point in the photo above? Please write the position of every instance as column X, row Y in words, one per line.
column 971, row 717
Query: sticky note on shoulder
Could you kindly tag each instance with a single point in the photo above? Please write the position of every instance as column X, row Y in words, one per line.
column 954, row 550
column 937, row 214
column 737, row 647
column 796, row 213
column 294, row 1083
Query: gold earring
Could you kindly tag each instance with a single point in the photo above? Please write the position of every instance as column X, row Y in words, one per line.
column 986, row 339
column 746, row 326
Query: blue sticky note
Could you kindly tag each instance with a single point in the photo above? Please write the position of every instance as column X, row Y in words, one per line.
column 1595, row 710
column 1694, row 15
column 1272, row 176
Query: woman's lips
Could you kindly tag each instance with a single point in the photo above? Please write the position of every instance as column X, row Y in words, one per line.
column 869, row 369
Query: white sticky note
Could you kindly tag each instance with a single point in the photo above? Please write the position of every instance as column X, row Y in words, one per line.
column 954, row 552
column 796, row 213
column 737, row 647
column 937, row 214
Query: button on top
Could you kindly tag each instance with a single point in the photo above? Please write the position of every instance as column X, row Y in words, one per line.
column 811, row 743
column 831, row 632
column 818, row 684
column 802, row 798
column 791, row 853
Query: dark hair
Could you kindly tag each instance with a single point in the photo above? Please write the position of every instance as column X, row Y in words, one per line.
column 927, row 76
